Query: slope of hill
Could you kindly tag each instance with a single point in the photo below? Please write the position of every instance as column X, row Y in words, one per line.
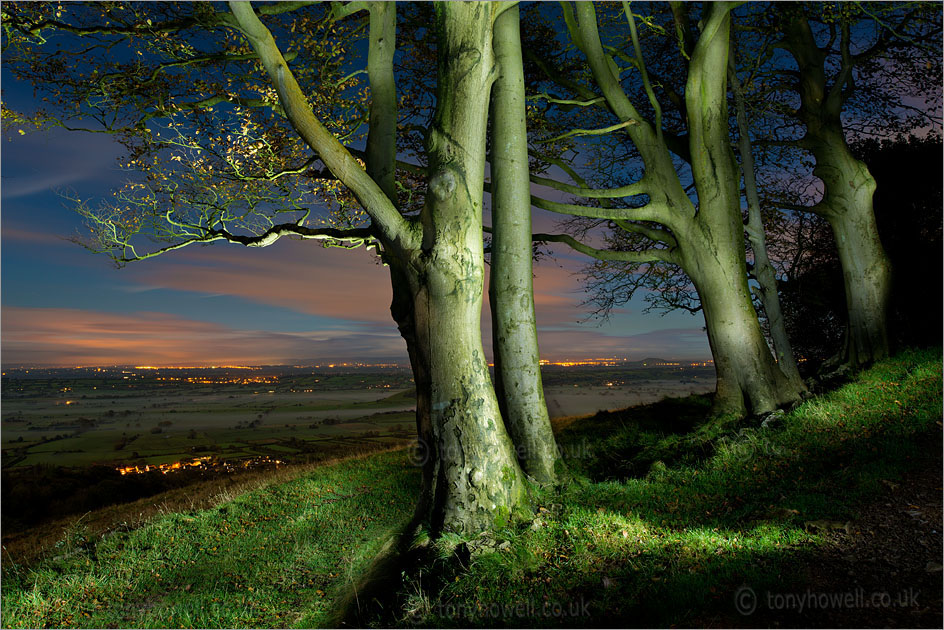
column 684, row 524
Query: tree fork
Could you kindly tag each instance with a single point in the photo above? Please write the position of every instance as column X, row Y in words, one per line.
column 476, row 479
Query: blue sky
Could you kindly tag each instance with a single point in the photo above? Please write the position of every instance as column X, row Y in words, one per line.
column 293, row 302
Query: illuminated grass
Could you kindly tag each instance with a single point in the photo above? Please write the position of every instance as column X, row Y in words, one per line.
column 708, row 507
column 672, row 546
column 265, row 559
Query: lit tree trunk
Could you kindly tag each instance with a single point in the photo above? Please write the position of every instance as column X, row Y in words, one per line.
column 866, row 270
column 747, row 374
column 748, row 379
column 475, row 477
column 514, row 332
column 847, row 195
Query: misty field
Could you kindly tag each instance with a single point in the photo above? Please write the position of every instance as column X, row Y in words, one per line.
column 80, row 422
column 138, row 417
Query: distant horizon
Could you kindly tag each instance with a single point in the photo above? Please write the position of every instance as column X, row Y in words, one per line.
column 566, row 362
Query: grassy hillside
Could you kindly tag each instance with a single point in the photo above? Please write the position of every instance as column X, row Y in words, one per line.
column 716, row 508
column 274, row 557
column 667, row 518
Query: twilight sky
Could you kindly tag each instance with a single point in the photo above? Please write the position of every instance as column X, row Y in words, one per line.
column 293, row 302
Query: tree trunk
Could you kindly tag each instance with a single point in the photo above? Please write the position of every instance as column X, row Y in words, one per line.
column 748, row 379
column 866, row 270
column 712, row 250
column 763, row 270
column 514, row 332
column 474, row 477
column 847, row 196
column 469, row 475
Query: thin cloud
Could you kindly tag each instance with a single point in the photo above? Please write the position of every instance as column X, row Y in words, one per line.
column 298, row 275
column 17, row 187
column 32, row 236
column 59, row 336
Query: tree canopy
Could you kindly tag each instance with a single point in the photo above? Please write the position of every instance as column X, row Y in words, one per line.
column 372, row 124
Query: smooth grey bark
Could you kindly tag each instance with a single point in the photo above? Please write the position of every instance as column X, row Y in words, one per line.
column 763, row 270
column 511, row 292
column 847, row 196
column 381, row 148
column 707, row 241
column 476, row 477
column 717, row 264
column 472, row 480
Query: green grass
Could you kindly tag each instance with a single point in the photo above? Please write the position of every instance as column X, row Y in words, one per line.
column 672, row 545
column 662, row 524
column 274, row 557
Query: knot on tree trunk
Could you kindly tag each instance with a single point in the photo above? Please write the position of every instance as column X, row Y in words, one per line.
column 443, row 185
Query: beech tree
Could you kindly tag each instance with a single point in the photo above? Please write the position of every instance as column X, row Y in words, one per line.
column 517, row 379
column 228, row 117
column 834, row 58
column 705, row 239
column 511, row 293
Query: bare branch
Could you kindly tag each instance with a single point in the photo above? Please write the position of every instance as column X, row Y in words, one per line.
column 591, row 132
column 638, row 188
column 649, row 255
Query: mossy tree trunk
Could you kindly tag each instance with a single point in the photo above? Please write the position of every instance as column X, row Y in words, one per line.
column 847, row 194
column 475, row 478
column 471, row 475
column 707, row 241
column 511, row 294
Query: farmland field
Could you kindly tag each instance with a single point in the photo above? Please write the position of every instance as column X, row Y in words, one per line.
column 145, row 417
column 78, row 439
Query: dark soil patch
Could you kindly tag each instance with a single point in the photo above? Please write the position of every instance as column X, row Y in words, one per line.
column 885, row 573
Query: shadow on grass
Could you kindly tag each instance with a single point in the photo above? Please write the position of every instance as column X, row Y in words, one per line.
column 637, row 541
column 671, row 543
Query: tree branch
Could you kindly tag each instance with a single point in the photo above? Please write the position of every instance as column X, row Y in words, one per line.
column 654, row 234
column 649, row 255
column 638, row 188
column 649, row 212
column 391, row 226
column 285, row 7
column 590, row 132
column 351, row 239
column 641, row 65
column 559, row 78
column 599, row 100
